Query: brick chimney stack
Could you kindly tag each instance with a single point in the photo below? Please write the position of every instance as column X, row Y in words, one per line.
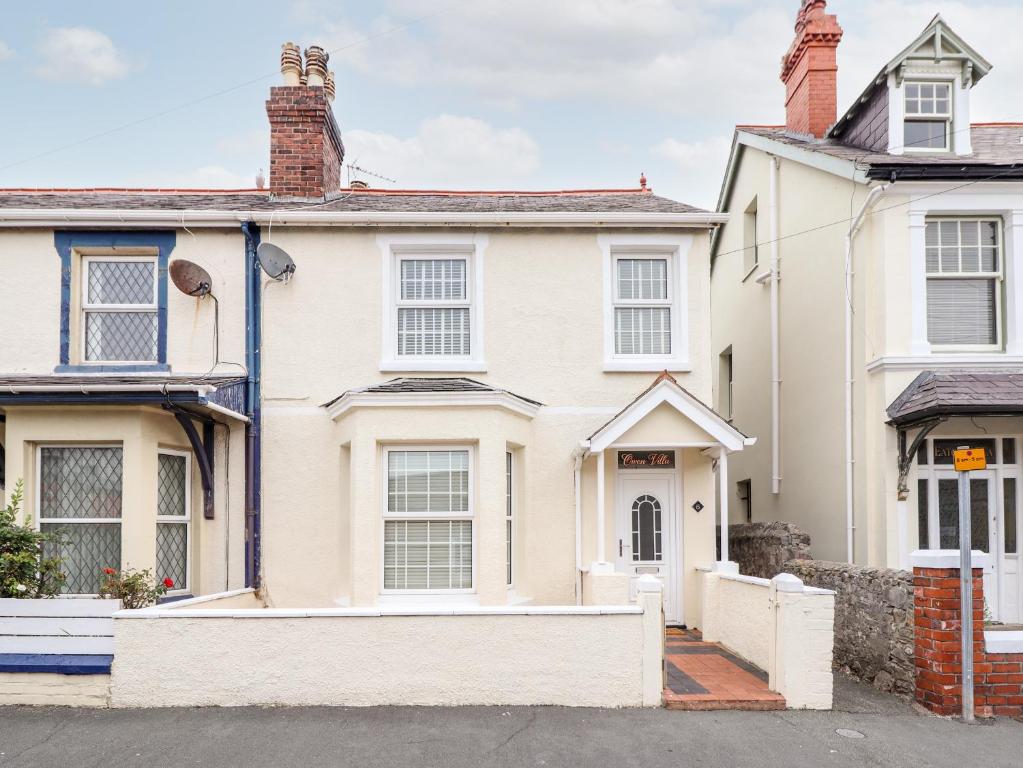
column 306, row 152
column 810, row 71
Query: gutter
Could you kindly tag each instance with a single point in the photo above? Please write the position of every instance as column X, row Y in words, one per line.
column 850, row 458
column 308, row 215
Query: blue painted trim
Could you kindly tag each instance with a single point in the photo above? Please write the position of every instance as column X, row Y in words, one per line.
column 59, row 663
column 66, row 241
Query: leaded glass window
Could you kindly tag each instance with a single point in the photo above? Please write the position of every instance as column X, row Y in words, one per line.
column 173, row 518
column 119, row 309
column 80, row 500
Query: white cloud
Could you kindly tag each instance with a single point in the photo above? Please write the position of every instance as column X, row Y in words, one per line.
column 6, row 52
column 79, row 55
column 446, row 151
column 700, row 166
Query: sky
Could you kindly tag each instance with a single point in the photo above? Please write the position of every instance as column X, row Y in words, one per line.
column 445, row 94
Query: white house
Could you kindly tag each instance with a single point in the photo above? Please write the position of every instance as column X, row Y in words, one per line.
column 868, row 307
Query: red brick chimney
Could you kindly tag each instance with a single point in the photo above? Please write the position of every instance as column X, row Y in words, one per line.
column 810, row 71
column 305, row 143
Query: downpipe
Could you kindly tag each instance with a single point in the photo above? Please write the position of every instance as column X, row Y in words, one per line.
column 252, row 406
column 775, row 276
column 850, row 456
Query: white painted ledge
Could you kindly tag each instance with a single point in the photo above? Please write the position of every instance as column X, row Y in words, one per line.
column 1003, row 642
column 945, row 558
column 674, row 365
column 294, row 613
column 432, row 366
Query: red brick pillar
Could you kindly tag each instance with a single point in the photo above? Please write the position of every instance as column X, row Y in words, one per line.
column 937, row 630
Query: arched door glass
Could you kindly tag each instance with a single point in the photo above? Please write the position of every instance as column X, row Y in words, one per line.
column 646, row 528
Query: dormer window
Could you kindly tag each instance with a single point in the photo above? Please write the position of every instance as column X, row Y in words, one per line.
column 928, row 116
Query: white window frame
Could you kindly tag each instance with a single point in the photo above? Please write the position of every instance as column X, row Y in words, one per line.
column 87, row 307
column 674, row 248
column 397, row 248
column 947, row 117
column 39, row 519
column 998, row 276
column 178, row 519
column 470, row 515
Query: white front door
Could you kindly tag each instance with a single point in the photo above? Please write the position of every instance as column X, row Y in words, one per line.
column 648, row 533
column 984, row 516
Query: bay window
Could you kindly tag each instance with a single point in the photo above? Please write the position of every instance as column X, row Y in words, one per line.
column 964, row 282
column 79, row 499
column 428, row 521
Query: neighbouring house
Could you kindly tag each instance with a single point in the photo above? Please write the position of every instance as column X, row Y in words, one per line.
column 867, row 294
column 455, row 399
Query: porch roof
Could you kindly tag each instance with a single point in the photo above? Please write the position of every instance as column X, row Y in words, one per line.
column 666, row 389
column 222, row 394
column 933, row 395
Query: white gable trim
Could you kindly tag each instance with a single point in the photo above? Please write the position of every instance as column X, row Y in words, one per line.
column 505, row 400
column 672, row 394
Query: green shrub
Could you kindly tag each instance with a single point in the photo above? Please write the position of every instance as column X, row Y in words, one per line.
column 24, row 569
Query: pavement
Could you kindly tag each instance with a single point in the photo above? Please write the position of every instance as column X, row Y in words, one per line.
column 894, row 733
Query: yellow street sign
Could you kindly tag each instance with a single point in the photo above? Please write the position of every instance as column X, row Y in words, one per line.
column 966, row 459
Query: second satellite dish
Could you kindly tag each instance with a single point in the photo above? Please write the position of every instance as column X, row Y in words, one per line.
column 190, row 278
column 275, row 261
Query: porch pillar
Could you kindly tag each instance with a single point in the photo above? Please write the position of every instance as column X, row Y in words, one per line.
column 723, row 493
column 601, row 513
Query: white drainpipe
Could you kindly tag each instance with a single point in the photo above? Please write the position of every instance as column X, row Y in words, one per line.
column 854, row 228
column 578, row 527
column 775, row 276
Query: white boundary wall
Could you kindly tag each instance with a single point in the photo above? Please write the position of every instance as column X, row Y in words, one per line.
column 195, row 654
column 780, row 625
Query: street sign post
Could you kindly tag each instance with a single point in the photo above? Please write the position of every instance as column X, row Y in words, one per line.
column 966, row 459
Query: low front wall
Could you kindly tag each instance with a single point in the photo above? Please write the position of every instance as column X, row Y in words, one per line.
column 782, row 626
column 574, row 656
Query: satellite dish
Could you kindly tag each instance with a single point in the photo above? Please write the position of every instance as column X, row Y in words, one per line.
column 190, row 278
column 275, row 261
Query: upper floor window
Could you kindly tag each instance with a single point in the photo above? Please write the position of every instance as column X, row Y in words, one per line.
column 964, row 282
column 750, row 253
column 119, row 309
column 433, row 307
column 928, row 115
column 642, row 306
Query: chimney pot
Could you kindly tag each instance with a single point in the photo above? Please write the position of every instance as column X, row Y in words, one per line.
column 316, row 65
column 810, row 71
column 291, row 63
column 328, row 86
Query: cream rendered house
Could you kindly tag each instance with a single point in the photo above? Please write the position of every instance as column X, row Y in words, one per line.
column 457, row 398
column 868, row 307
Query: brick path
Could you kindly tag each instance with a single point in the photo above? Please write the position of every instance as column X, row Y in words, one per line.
column 705, row 676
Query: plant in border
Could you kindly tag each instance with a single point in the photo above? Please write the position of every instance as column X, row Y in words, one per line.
column 135, row 589
column 26, row 570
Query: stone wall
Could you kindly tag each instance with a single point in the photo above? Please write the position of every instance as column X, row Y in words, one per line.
column 762, row 549
column 873, row 620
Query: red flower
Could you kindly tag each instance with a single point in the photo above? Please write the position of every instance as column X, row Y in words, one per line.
column 168, row 582
column 109, row 571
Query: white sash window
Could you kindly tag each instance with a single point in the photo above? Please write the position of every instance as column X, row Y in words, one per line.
column 964, row 282
column 642, row 306
column 433, row 308
column 119, row 310
column 428, row 521
column 928, row 116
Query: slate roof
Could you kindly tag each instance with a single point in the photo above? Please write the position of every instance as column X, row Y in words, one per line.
column 994, row 144
column 424, row 385
column 953, row 393
column 359, row 200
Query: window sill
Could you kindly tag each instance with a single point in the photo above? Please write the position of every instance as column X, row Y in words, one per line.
column 114, row 368
column 648, row 365
column 419, row 364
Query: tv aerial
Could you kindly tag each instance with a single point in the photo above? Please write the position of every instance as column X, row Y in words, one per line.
column 190, row 278
column 275, row 261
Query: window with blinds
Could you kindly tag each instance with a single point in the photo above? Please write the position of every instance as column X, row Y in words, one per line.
column 119, row 310
column 642, row 307
column 964, row 282
column 428, row 542
column 433, row 308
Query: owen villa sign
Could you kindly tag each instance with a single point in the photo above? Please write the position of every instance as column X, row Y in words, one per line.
column 646, row 459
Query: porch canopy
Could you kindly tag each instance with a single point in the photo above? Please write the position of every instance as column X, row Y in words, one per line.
column 934, row 396
column 187, row 398
column 684, row 421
